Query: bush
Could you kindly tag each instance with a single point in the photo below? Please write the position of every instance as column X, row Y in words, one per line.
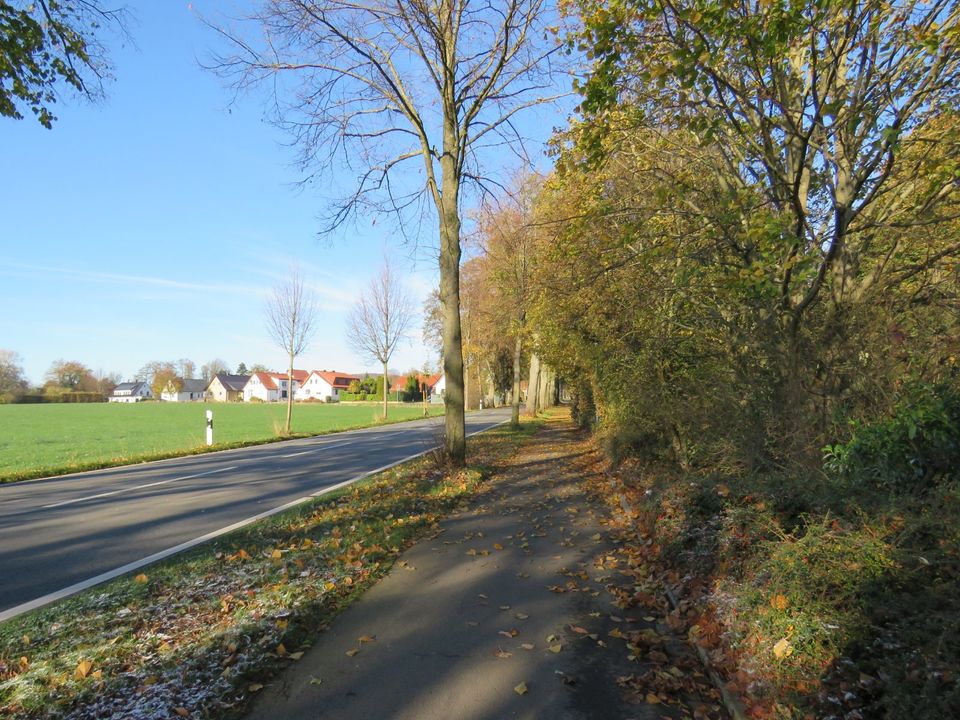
column 917, row 447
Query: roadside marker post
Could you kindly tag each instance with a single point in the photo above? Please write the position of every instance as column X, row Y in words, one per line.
column 209, row 427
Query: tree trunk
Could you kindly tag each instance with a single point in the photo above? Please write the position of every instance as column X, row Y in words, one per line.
column 386, row 390
column 454, row 439
column 515, row 399
column 289, row 394
column 533, row 384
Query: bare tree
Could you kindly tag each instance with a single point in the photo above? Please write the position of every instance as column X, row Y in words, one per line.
column 290, row 313
column 379, row 321
column 209, row 370
column 383, row 82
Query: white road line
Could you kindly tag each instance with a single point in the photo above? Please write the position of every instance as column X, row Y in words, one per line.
column 319, row 449
column 137, row 564
column 136, row 487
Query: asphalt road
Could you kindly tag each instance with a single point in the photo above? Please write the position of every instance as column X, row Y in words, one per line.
column 59, row 535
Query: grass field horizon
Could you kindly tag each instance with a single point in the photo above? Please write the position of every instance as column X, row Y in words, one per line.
column 52, row 439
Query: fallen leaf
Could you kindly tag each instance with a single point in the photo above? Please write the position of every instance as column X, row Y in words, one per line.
column 779, row 602
column 782, row 649
column 296, row 655
column 521, row 616
column 527, row 646
column 141, row 578
column 316, row 681
column 26, row 639
column 97, row 674
column 615, row 633
column 500, row 653
column 352, row 652
column 281, row 650
column 83, row 669
column 497, row 546
column 511, row 633
column 367, row 638
column 579, row 630
column 555, row 648
column 255, row 687
column 652, row 699
column 521, row 689
column 276, row 555
column 182, row 711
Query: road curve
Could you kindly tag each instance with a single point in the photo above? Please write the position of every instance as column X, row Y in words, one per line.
column 58, row 535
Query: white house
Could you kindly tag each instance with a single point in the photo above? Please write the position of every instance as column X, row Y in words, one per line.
column 190, row 391
column 325, row 385
column 130, row 392
column 272, row 387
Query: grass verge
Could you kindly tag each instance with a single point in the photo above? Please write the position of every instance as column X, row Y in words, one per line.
column 196, row 635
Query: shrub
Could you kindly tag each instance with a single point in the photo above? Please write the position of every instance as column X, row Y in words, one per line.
column 915, row 448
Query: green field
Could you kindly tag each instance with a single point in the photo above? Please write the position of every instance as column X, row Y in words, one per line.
column 38, row 440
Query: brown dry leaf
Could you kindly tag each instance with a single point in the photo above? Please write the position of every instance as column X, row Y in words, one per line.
column 367, row 638
column 141, row 578
column 352, row 652
column 243, row 555
column 521, row 689
column 83, row 669
column 579, row 630
column 182, row 711
column 615, row 633
column 652, row 699
column 281, row 650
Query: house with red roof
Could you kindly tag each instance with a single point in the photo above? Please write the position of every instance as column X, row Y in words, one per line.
column 273, row 387
column 435, row 384
column 324, row 385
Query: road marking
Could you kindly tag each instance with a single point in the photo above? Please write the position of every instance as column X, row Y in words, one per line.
column 143, row 562
column 319, row 449
column 136, row 487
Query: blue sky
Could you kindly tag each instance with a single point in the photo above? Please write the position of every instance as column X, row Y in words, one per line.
column 152, row 225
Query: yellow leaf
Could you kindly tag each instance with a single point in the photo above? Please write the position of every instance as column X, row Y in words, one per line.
column 782, row 649
column 276, row 555
column 296, row 655
column 281, row 650
column 83, row 669
column 615, row 633
column 367, row 638
column 255, row 687
column 282, row 624
column 24, row 662
column 26, row 639
column 352, row 652
column 97, row 674
column 141, row 578
column 521, row 689
column 497, row 546
column 652, row 699
column 555, row 648
column 779, row 602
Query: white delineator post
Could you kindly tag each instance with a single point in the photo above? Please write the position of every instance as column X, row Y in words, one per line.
column 209, row 427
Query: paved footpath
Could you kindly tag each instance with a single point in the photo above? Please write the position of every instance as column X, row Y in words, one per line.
column 510, row 592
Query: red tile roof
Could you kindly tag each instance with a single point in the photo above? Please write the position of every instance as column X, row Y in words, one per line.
column 401, row 382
